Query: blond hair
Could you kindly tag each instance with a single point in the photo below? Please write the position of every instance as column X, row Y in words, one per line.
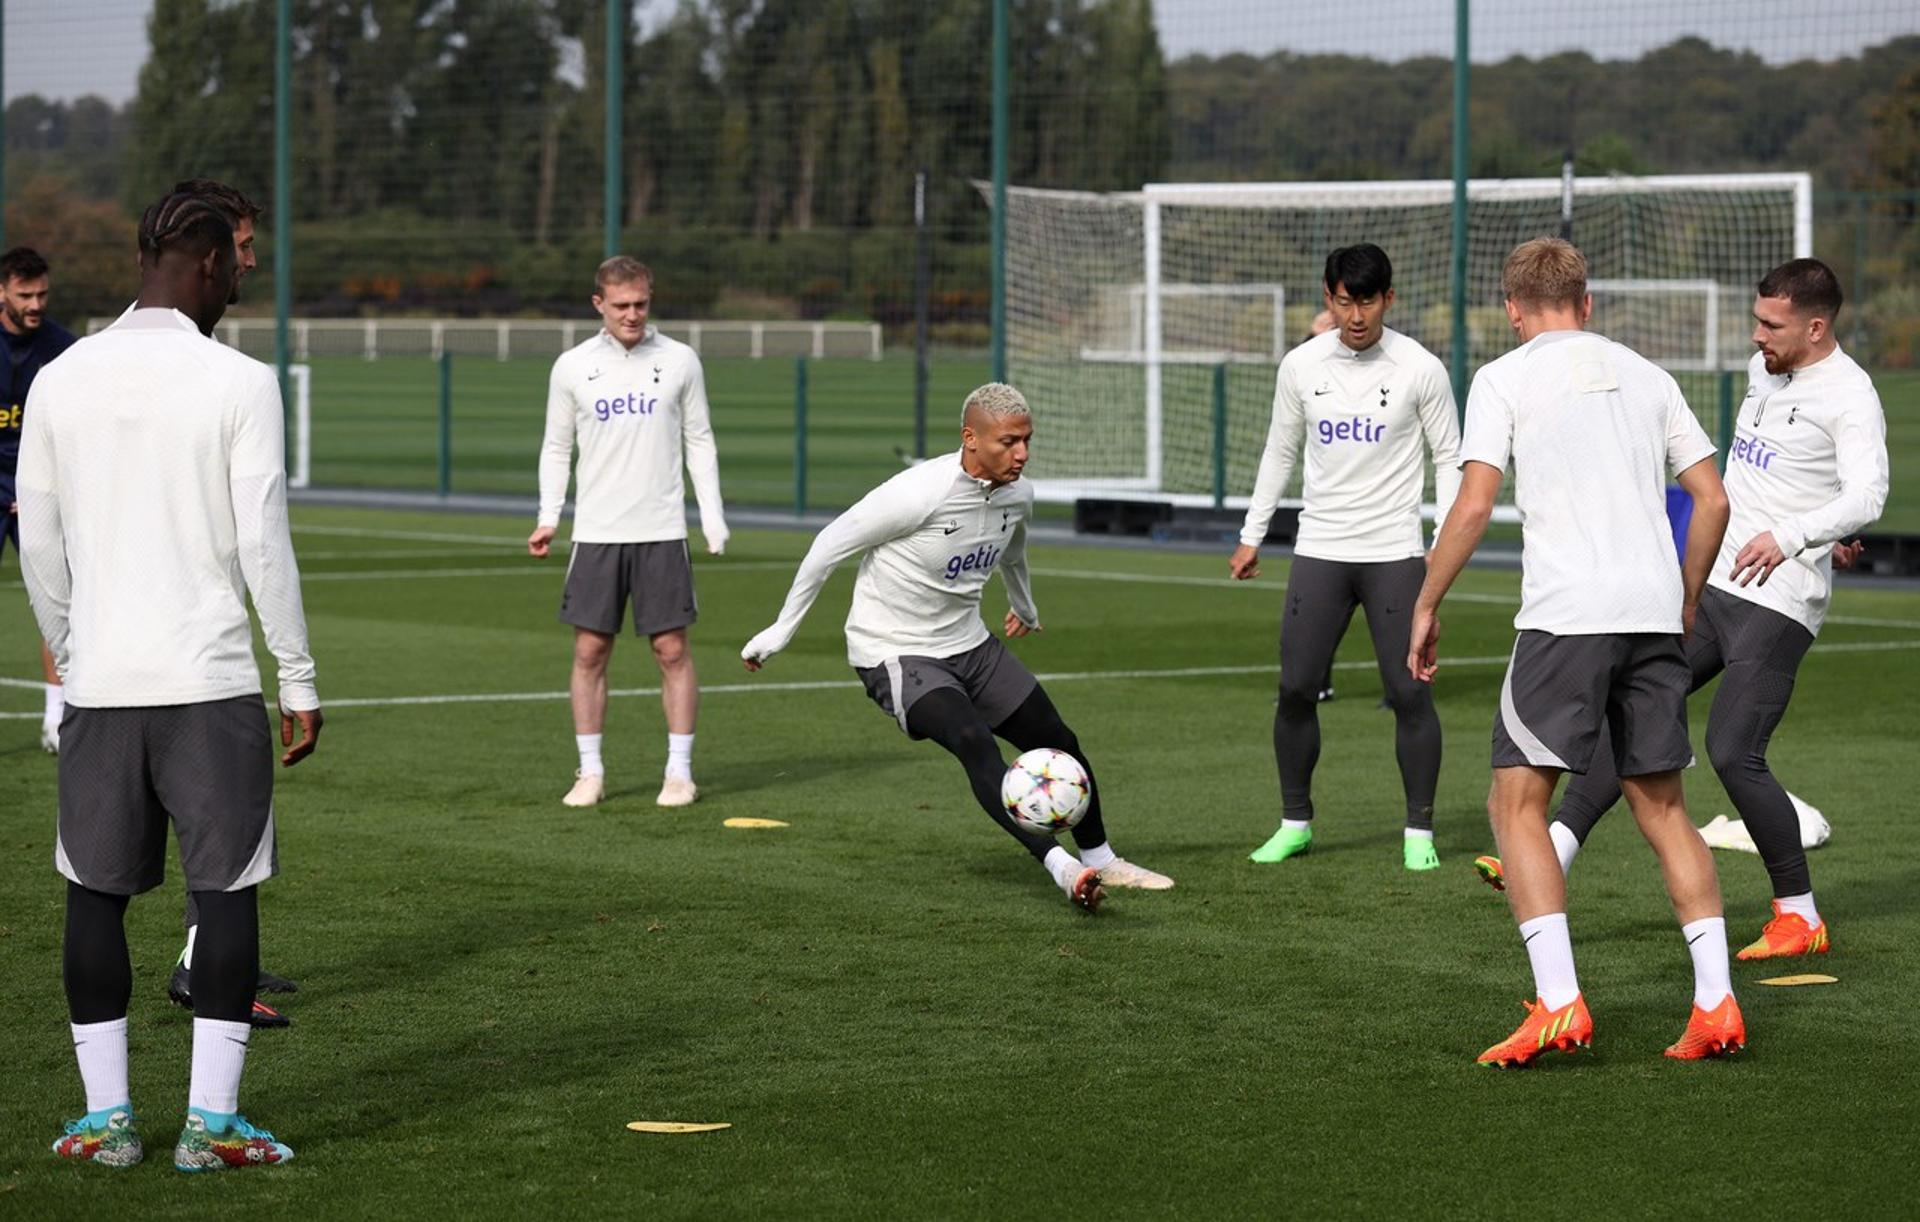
column 621, row 269
column 1545, row 272
column 995, row 400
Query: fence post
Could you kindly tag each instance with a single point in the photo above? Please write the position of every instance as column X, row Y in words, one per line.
column 799, row 436
column 1726, row 416
column 1220, row 436
column 446, row 423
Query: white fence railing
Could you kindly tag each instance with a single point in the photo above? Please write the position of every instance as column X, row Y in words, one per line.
column 507, row 339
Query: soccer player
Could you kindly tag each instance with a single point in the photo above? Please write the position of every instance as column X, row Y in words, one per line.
column 929, row 538
column 635, row 401
column 1367, row 404
column 1592, row 430
column 1808, row 468
column 242, row 214
column 32, row 340
column 153, row 505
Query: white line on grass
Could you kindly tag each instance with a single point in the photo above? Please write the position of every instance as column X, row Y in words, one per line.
column 415, row 536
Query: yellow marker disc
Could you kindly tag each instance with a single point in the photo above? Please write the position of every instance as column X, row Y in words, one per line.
column 739, row 822
column 1809, row 978
column 673, row 1126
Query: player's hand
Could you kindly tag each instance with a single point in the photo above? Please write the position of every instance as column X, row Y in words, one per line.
column 310, row 721
column 1688, row 613
column 1244, row 563
column 754, row 654
column 1423, row 645
column 717, row 544
column 13, row 509
column 1845, row 555
column 1758, row 558
column 540, row 542
column 752, row 664
column 1019, row 627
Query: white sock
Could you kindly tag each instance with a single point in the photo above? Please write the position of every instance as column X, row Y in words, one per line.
column 680, row 756
column 1100, row 856
column 1296, row 824
column 1707, row 943
column 1064, row 867
column 101, row 1049
column 56, row 704
column 1565, row 844
column 589, row 745
column 219, row 1054
column 186, row 956
column 1416, row 833
column 1802, row 904
column 1551, row 951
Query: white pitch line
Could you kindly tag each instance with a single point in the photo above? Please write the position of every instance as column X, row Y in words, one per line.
column 414, row 536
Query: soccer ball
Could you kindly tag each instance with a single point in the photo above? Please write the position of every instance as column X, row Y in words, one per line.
column 1046, row 791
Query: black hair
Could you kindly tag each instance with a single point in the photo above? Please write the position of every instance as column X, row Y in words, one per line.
column 228, row 199
column 1364, row 268
column 184, row 221
column 1808, row 283
column 22, row 263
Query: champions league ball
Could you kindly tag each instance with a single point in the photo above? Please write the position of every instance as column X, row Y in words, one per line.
column 1046, row 791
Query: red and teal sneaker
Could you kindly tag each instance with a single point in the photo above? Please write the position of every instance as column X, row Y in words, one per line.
column 1564, row 1029
column 213, row 1142
column 105, row 1137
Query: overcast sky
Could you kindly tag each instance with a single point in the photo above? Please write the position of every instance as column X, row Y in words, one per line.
column 65, row 48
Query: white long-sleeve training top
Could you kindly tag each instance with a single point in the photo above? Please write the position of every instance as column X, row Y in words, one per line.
column 632, row 410
column 1809, row 463
column 153, row 500
column 932, row 535
column 1366, row 421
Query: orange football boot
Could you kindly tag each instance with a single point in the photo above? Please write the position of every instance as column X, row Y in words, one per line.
column 1490, row 873
column 1567, row 1028
column 1712, row 1033
column 1787, row 935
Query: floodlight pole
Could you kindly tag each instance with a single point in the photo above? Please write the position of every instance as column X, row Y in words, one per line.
column 1000, row 190
column 282, row 192
column 1461, row 66
column 922, row 287
column 616, row 59
column 3, row 125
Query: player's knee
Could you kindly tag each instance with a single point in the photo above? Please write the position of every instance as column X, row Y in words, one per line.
column 973, row 741
column 670, row 649
column 1298, row 695
column 1730, row 757
column 591, row 650
column 1406, row 697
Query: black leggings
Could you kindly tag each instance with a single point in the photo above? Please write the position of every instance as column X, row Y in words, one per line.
column 946, row 716
column 99, row 973
column 1759, row 651
column 1321, row 597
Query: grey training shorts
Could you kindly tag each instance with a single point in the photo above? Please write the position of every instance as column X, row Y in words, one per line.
column 1559, row 690
column 601, row 577
column 125, row 773
column 990, row 676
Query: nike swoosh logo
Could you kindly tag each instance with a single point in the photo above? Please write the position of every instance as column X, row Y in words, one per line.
column 1530, row 937
column 1318, row 393
column 1696, row 937
column 949, row 530
column 593, row 375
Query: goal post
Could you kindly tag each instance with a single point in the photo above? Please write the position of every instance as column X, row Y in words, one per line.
column 1673, row 259
column 300, row 447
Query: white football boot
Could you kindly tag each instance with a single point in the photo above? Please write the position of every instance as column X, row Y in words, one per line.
column 586, row 791
column 677, row 791
column 1122, row 873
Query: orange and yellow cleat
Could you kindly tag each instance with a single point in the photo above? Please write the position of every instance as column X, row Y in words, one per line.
column 1711, row 1033
column 1787, row 935
column 1565, row 1029
column 1490, row 873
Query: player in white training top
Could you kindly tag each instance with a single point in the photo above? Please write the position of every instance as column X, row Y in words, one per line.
column 928, row 539
column 635, row 401
column 1592, row 431
column 1808, row 468
column 1368, row 405
column 153, row 505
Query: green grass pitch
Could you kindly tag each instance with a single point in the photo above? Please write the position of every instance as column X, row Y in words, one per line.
column 892, row 1005
column 376, row 424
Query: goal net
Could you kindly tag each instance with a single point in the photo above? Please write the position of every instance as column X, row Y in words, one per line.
column 1131, row 315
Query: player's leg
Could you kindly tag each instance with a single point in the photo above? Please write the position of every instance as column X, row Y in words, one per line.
column 1320, row 603
column 1766, row 654
column 1037, row 723
column 594, row 602
column 1647, row 713
column 1387, row 593
column 213, row 772
column 661, row 577
column 111, row 844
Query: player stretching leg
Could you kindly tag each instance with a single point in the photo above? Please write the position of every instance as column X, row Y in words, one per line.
column 165, row 721
column 929, row 538
column 1808, row 467
column 635, row 400
column 1367, row 404
column 1592, row 430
